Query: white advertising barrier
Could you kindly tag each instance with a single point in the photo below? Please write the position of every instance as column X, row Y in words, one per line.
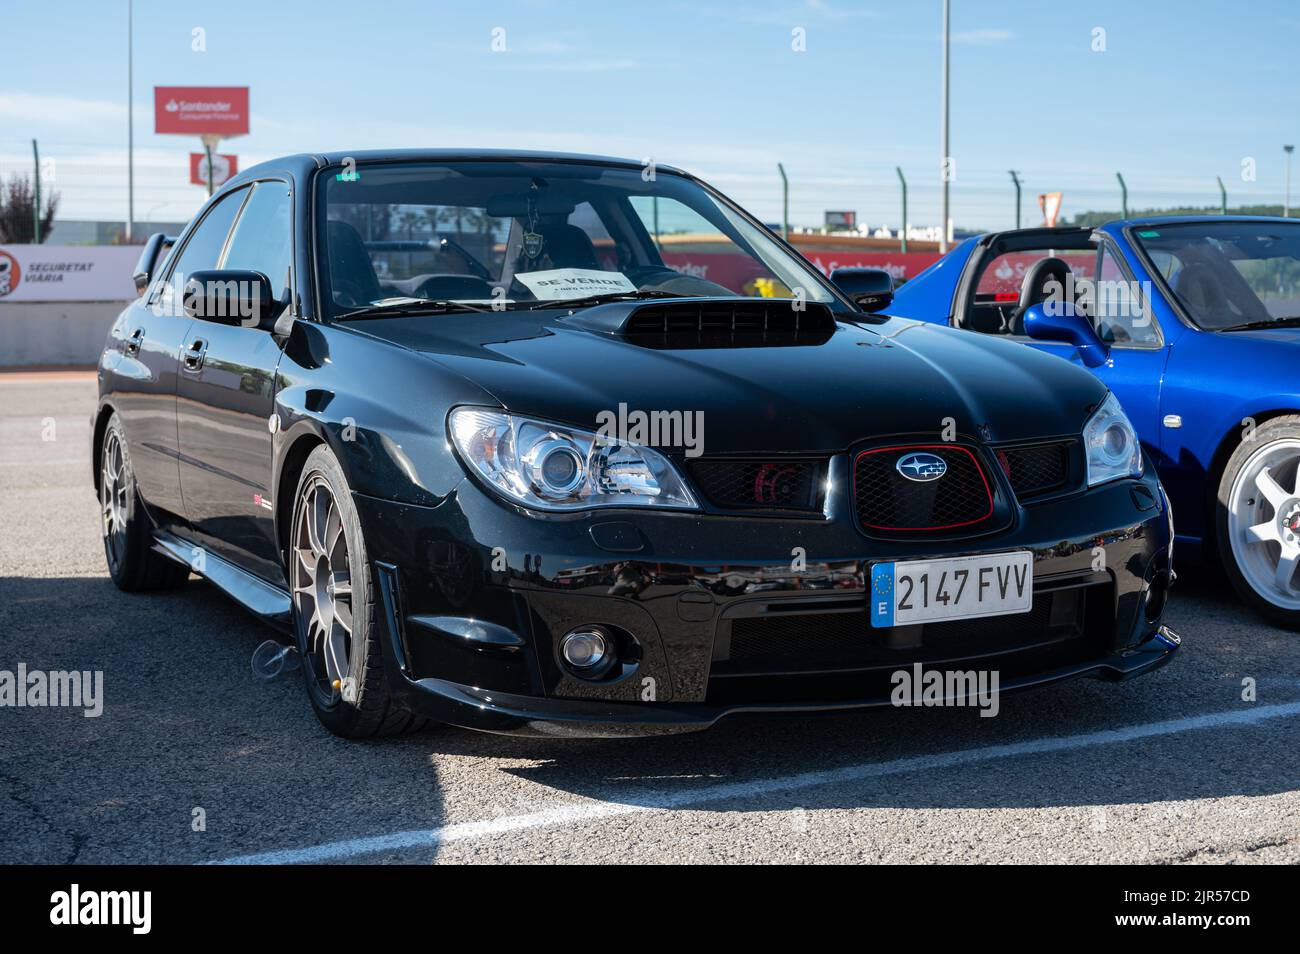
column 62, row 273
column 58, row 301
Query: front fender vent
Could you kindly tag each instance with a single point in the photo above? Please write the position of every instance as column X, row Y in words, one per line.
column 1036, row 470
column 774, row 484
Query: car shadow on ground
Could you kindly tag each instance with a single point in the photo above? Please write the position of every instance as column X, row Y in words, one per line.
column 187, row 727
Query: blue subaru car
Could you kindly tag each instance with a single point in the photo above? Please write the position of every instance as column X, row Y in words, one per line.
column 1194, row 324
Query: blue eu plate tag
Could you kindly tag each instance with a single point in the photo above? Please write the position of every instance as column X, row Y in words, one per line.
column 882, row 595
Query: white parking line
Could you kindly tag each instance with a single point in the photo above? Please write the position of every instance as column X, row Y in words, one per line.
column 649, row 802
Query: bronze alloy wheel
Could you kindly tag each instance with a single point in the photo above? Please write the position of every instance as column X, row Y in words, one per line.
column 113, row 489
column 322, row 593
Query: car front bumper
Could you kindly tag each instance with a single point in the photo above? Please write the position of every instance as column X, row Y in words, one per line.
column 511, row 714
column 476, row 595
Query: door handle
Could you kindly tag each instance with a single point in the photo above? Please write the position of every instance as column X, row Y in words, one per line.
column 132, row 345
column 193, row 355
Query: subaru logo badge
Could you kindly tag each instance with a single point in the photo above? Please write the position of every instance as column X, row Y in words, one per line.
column 922, row 467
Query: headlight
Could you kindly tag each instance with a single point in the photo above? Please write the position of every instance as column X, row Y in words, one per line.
column 1111, row 444
column 551, row 467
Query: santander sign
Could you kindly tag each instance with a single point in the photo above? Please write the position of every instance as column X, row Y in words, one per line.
column 201, row 110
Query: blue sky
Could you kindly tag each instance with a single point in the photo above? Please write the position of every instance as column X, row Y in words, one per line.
column 1183, row 91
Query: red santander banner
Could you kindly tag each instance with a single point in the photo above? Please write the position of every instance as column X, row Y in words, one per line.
column 902, row 265
column 737, row 271
column 224, row 165
column 201, row 110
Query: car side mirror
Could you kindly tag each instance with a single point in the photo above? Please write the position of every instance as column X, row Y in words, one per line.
column 1063, row 321
column 871, row 288
column 152, row 255
column 231, row 296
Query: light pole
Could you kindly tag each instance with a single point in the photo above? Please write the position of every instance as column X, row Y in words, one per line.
column 130, row 121
column 1286, row 202
column 902, row 232
column 1016, row 179
column 36, row 209
column 785, row 203
column 943, row 165
column 1123, row 194
column 1223, row 196
column 210, row 142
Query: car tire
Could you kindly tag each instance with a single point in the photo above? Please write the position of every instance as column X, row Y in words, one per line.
column 1257, row 520
column 335, row 615
column 133, row 564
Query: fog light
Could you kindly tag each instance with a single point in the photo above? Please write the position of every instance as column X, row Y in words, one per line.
column 587, row 651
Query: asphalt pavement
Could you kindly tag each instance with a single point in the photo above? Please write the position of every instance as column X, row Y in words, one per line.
column 193, row 760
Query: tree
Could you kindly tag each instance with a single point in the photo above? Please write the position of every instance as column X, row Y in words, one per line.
column 1093, row 219
column 17, row 200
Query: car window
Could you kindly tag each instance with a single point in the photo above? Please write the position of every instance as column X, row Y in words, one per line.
column 610, row 254
column 1226, row 274
column 1003, row 276
column 262, row 240
column 1118, row 306
column 539, row 231
column 691, row 244
column 203, row 249
column 381, row 249
column 1274, row 280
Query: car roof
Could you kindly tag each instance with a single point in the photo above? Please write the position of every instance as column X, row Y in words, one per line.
column 1114, row 224
column 1172, row 219
column 303, row 162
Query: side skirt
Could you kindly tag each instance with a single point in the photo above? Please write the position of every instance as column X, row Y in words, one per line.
column 264, row 600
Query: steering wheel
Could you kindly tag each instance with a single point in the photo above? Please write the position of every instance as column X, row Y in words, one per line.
column 640, row 275
column 349, row 292
column 436, row 286
column 474, row 265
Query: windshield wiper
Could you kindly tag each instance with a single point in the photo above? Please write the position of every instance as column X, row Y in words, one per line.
column 602, row 298
column 1292, row 321
column 405, row 307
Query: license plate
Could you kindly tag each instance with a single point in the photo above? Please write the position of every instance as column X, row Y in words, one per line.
column 924, row 591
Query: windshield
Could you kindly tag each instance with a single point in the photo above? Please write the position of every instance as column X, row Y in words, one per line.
column 512, row 234
column 1228, row 274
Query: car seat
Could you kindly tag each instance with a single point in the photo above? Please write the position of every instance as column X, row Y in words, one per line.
column 1199, row 288
column 563, row 246
column 1036, row 289
column 352, row 273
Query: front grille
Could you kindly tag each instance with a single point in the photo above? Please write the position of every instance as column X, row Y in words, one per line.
column 1067, row 619
column 888, row 501
column 1035, row 469
column 774, row 484
column 841, row 640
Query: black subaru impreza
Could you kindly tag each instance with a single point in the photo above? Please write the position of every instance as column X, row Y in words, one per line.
column 567, row 445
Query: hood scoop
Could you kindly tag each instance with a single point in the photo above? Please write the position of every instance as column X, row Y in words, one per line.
column 711, row 322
